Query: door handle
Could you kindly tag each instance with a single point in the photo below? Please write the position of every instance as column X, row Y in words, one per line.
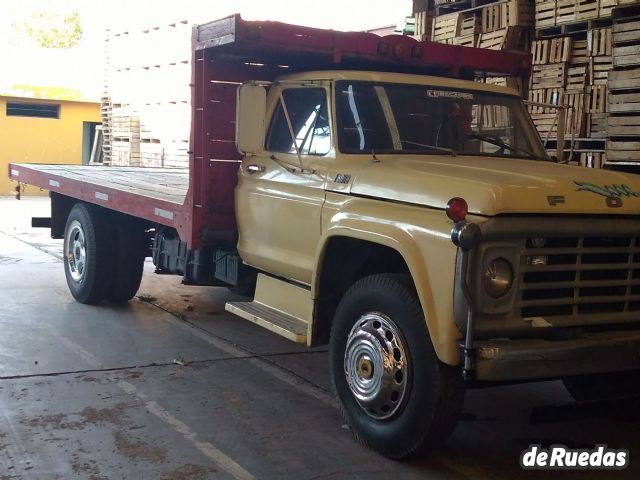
column 250, row 169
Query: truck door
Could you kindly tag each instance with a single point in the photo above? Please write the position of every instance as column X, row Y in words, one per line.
column 280, row 193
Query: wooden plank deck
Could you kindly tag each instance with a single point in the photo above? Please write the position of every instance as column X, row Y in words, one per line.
column 166, row 184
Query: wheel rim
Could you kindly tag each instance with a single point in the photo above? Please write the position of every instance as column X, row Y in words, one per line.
column 376, row 365
column 75, row 251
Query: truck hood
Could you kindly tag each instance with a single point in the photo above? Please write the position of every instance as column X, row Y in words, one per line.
column 493, row 186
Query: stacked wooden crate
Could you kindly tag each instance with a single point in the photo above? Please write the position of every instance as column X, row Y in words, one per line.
column 502, row 25
column 148, row 87
column 559, row 13
column 623, row 122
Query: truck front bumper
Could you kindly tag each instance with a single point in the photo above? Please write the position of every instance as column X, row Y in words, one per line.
column 511, row 360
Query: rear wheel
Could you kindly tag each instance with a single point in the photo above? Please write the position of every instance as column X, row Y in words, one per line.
column 394, row 393
column 131, row 246
column 88, row 252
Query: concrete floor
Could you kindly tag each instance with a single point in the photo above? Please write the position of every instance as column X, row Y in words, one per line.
column 172, row 387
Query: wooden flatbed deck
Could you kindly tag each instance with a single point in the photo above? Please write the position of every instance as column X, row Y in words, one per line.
column 152, row 193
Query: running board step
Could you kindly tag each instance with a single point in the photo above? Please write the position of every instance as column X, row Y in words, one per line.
column 278, row 322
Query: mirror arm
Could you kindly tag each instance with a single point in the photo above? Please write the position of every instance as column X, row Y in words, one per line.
column 293, row 137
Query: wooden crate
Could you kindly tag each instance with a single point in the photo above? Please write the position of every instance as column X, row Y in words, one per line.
column 605, row 7
column 621, row 80
column 517, row 13
column 565, row 11
column 543, row 95
column 587, row 9
column 579, row 53
column 470, row 26
column 626, row 42
column 553, row 75
column 592, row 159
column 596, row 99
column 576, row 77
column 599, row 68
column 574, row 123
column 516, row 83
column 540, row 51
column 470, row 40
column 423, row 24
column 623, row 87
column 446, row 27
column 596, row 124
column 560, row 49
column 624, row 125
column 491, row 18
column 618, row 151
column 125, row 153
column 151, row 153
column 599, row 41
column 508, row 38
column 546, row 123
column 545, row 14
column 624, row 102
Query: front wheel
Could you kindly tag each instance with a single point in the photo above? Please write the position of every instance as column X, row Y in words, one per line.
column 394, row 393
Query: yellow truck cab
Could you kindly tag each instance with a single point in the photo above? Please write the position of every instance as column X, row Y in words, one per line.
column 402, row 213
column 349, row 189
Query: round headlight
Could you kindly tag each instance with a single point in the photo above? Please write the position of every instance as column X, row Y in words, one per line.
column 498, row 277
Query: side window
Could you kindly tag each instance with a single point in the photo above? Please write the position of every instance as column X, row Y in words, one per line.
column 307, row 108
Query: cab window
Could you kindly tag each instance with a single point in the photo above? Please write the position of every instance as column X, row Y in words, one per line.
column 307, row 108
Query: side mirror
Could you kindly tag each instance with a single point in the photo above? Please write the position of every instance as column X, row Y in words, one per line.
column 251, row 111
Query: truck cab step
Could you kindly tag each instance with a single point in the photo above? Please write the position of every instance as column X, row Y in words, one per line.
column 280, row 306
column 278, row 322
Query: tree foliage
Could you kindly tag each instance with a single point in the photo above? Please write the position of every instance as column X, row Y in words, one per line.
column 54, row 30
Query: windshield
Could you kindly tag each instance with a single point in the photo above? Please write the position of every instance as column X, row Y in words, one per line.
column 397, row 118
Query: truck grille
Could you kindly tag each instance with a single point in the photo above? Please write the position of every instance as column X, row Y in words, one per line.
column 580, row 275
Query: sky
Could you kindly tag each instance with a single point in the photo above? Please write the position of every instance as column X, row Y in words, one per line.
column 81, row 68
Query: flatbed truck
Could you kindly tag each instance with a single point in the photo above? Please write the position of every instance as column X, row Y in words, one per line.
column 367, row 193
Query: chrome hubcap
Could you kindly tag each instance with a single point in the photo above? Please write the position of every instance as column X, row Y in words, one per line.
column 376, row 365
column 75, row 251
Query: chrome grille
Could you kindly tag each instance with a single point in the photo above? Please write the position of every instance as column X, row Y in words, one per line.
column 570, row 276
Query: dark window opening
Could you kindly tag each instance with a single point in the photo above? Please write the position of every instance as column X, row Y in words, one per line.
column 39, row 110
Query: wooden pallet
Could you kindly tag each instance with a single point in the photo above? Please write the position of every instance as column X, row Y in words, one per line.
column 596, row 125
column 553, row 75
column 599, row 41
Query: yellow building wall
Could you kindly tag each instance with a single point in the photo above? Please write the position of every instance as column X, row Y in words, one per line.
column 42, row 140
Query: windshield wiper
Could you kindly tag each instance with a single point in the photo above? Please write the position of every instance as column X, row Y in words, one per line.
column 432, row 147
column 499, row 143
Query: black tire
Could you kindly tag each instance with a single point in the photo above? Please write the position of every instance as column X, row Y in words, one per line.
column 431, row 404
column 131, row 247
column 603, row 386
column 91, row 228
